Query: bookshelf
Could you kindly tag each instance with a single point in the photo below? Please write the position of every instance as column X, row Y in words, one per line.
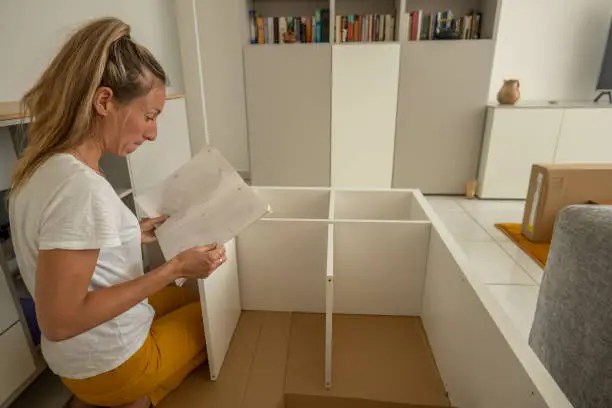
column 288, row 22
column 314, row 107
column 353, row 21
column 477, row 17
column 365, row 21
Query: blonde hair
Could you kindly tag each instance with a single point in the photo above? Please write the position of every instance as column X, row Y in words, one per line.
column 101, row 53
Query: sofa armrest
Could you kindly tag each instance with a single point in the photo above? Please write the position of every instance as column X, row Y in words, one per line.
column 572, row 328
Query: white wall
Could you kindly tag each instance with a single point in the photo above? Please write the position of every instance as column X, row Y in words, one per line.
column 554, row 47
column 32, row 31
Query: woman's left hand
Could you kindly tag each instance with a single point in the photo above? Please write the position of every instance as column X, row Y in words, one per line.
column 147, row 228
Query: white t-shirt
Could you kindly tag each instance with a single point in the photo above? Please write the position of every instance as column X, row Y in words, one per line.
column 67, row 205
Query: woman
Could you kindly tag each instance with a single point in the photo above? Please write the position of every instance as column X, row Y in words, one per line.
column 116, row 336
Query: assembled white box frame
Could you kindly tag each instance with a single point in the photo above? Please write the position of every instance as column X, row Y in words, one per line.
column 323, row 251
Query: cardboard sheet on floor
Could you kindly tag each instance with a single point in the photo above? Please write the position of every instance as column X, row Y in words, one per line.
column 276, row 360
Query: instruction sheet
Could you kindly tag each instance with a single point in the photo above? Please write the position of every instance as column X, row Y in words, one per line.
column 206, row 201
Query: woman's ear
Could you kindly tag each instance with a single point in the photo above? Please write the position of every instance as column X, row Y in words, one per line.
column 103, row 100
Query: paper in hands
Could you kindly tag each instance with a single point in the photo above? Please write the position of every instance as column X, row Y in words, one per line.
column 206, row 202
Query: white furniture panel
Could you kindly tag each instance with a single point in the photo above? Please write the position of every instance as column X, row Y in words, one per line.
column 288, row 95
column 296, row 202
column 379, row 267
column 282, row 265
column 16, row 361
column 440, row 115
column 372, row 205
column 482, row 358
column 329, row 306
column 364, row 107
column 514, row 140
column 153, row 162
column 586, row 136
column 221, row 308
column 8, row 311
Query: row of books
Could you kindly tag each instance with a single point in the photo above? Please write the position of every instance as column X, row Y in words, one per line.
column 287, row 30
column 444, row 26
column 365, row 28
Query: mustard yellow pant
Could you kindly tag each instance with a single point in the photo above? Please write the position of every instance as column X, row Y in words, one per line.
column 175, row 347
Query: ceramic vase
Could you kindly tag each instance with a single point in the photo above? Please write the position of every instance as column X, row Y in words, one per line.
column 510, row 92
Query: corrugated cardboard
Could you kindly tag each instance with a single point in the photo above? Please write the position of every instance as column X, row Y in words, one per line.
column 276, row 360
column 553, row 187
column 378, row 362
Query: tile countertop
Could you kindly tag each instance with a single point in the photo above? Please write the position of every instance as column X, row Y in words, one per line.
column 551, row 105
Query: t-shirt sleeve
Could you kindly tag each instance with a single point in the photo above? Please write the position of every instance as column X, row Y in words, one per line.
column 83, row 214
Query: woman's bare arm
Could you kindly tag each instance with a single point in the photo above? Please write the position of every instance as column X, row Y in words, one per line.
column 65, row 308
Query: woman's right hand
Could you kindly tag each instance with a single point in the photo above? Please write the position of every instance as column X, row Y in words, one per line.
column 200, row 262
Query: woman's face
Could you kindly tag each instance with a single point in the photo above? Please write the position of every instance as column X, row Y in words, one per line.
column 125, row 127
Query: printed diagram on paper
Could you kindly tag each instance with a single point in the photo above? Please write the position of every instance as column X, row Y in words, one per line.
column 206, row 202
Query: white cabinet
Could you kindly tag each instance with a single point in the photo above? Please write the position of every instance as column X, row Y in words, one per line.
column 517, row 137
column 16, row 361
column 514, row 140
column 8, row 311
column 364, row 106
column 586, row 136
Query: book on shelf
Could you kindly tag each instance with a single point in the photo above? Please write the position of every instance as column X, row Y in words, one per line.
column 365, row 28
column 443, row 25
column 289, row 29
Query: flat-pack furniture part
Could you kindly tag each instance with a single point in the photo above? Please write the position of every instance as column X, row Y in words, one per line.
column 334, row 276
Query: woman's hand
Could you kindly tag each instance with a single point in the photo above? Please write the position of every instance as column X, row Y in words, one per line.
column 200, row 262
column 147, row 228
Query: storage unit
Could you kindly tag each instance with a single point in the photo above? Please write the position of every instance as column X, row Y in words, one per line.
column 392, row 113
column 516, row 137
column 323, row 310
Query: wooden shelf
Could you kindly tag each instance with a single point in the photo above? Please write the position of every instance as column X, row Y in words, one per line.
column 10, row 111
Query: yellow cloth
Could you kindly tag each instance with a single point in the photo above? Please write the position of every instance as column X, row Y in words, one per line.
column 175, row 347
column 538, row 251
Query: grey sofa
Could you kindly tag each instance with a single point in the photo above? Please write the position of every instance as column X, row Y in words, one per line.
column 572, row 328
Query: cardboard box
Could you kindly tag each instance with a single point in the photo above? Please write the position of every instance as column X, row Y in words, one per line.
column 553, row 187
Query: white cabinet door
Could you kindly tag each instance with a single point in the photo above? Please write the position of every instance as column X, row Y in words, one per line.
column 515, row 139
column 154, row 161
column 16, row 361
column 364, row 106
column 586, row 136
column 8, row 311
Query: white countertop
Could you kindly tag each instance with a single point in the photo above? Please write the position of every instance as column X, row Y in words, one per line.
column 546, row 104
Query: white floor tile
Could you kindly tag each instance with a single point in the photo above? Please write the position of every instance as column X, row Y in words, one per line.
column 529, row 265
column 519, row 302
column 490, row 205
column 494, row 265
column 497, row 216
column 488, row 219
column 444, row 203
column 463, row 227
